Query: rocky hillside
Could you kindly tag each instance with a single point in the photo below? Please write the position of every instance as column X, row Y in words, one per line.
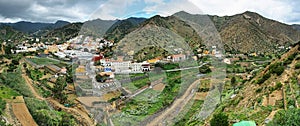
column 274, row 88
column 242, row 33
column 251, row 32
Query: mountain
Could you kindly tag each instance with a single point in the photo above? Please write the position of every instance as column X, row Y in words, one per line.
column 9, row 34
column 242, row 33
column 97, row 27
column 29, row 27
column 65, row 33
column 251, row 32
column 122, row 27
column 151, row 37
column 296, row 26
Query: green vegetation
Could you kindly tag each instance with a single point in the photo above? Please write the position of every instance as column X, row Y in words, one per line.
column 235, row 68
column 151, row 52
column 42, row 91
column 186, row 120
column 276, row 68
column 58, row 89
column 138, row 80
column 278, row 86
column 141, row 83
column 2, row 106
column 167, row 66
column 297, row 65
column 204, row 69
column 15, row 81
column 289, row 59
column 35, row 74
column 44, row 116
column 288, row 117
column 219, row 119
column 7, row 93
column 43, row 61
column 233, row 83
column 265, row 77
column 138, row 110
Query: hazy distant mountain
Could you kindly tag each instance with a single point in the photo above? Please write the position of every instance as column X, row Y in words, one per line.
column 296, row 26
column 29, row 27
column 95, row 27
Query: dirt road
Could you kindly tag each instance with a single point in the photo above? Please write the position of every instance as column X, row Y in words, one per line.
column 175, row 108
column 21, row 112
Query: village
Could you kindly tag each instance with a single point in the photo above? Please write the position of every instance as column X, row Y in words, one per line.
column 104, row 81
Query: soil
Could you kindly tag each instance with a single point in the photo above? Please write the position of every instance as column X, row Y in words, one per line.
column 21, row 112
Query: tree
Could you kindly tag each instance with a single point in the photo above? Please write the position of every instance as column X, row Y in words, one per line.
column 233, row 83
column 67, row 120
column 58, row 89
column 219, row 119
column 288, row 117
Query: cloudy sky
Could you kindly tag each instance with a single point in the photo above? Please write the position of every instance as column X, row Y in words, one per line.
column 286, row 11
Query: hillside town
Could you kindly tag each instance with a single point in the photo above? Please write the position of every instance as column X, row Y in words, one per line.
column 183, row 69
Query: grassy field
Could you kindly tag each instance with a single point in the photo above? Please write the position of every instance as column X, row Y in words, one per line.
column 7, row 93
column 134, row 85
column 42, row 61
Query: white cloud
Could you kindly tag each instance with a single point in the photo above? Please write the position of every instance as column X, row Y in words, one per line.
column 113, row 9
column 3, row 19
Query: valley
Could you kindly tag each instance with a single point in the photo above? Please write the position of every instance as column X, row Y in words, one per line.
column 160, row 70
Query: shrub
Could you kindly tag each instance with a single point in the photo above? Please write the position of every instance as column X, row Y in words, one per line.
column 288, row 117
column 264, row 78
column 278, row 85
column 219, row 119
column 258, row 90
column 297, row 66
column 276, row 68
column 259, row 100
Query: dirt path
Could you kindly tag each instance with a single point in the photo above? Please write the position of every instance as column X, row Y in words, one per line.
column 21, row 112
column 175, row 108
column 81, row 116
column 30, row 84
